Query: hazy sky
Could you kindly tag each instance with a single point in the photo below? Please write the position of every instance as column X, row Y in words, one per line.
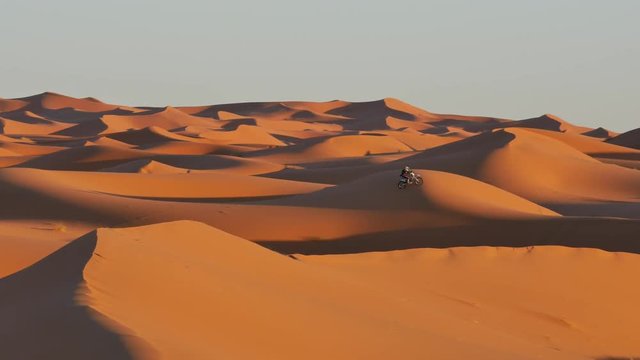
column 578, row 59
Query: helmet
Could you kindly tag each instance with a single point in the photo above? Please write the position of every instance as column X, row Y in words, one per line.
column 406, row 168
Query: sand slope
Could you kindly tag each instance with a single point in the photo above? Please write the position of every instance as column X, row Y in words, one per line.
column 542, row 295
column 440, row 192
column 534, row 166
column 125, row 279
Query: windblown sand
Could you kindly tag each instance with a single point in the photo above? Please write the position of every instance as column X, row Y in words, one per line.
column 277, row 231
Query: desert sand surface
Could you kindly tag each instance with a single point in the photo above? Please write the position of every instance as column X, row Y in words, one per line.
column 276, row 230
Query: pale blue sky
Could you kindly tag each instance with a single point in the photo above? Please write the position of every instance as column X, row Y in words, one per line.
column 578, row 59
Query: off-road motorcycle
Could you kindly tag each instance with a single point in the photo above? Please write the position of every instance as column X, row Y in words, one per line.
column 412, row 179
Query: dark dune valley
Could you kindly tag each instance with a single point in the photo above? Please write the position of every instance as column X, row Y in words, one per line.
column 276, row 230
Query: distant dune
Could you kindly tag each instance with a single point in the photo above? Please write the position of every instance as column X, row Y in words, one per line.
column 276, row 230
column 629, row 139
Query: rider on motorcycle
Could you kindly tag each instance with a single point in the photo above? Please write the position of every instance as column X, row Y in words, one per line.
column 406, row 173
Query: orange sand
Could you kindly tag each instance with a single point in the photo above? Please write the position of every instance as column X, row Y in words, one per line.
column 276, row 231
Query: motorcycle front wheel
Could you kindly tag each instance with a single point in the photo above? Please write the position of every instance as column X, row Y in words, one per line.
column 418, row 180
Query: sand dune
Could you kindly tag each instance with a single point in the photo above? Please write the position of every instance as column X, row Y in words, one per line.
column 199, row 186
column 105, row 141
column 53, row 101
column 600, row 133
column 398, row 124
column 25, row 242
column 146, row 166
column 28, row 123
column 243, row 135
column 440, row 192
column 547, row 122
column 189, row 146
column 337, row 147
column 166, row 118
column 523, row 292
column 8, row 105
column 6, row 139
column 28, row 149
column 296, row 125
column 532, row 165
column 299, row 111
column 629, row 139
column 149, row 135
column 414, row 139
column 586, row 144
column 19, row 127
column 121, row 281
column 373, row 115
column 90, row 157
column 276, row 230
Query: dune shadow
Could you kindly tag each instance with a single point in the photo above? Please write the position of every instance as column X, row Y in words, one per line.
column 23, row 202
column 85, row 158
column 466, row 125
column 75, row 116
column 246, row 109
column 626, row 210
column 465, row 157
column 41, row 318
column 619, row 156
column 23, row 117
column 234, row 124
column 206, row 200
column 292, row 140
column 605, row 234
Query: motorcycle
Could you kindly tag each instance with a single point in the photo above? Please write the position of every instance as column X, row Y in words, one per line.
column 411, row 180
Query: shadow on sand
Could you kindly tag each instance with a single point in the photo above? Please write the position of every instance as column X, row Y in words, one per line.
column 605, row 234
column 41, row 318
